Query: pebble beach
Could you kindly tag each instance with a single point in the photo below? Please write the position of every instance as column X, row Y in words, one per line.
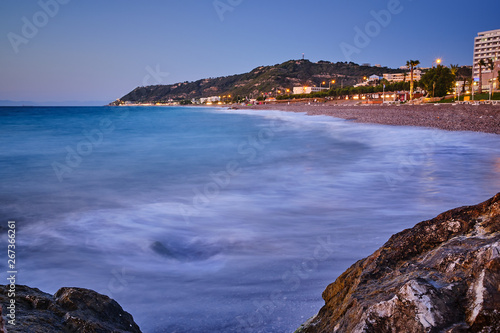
column 476, row 118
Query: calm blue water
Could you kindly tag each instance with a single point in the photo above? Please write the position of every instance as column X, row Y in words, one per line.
column 205, row 220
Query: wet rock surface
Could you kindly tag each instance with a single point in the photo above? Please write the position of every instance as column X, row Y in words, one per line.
column 69, row 310
column 443, row 275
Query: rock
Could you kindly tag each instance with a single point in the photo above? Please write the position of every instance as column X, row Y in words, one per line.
column 443, row 275
column 2, row 321
column 69, row 310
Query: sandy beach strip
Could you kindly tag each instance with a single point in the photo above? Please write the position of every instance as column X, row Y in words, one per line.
column 477, row 118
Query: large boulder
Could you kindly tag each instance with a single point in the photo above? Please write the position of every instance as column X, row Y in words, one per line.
column 69, row 310
column 443, row 275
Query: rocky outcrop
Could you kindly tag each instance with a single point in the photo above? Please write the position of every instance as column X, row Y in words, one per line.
column 69, row 310
column 443, row 275
column 2, row 322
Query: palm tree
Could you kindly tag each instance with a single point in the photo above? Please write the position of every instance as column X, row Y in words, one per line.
column 454, row 69
column 454, row 72
column 491, row 66
column 481, row 64
column 412, row 64
column 464, row 78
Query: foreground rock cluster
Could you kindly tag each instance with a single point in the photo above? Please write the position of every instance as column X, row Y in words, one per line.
column 69, row 310
column 443, row 275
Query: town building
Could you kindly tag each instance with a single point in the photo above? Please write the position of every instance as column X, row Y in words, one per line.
column 490, row 77
column 362, row 84
column 307, row 90
column 396, row 77
column 400, row 77
column 486, row 46
column 212, row 99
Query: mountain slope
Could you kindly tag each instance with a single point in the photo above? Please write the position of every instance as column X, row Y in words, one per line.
column 264, row 79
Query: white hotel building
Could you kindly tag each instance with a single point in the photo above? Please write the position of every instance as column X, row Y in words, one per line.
column 486, row 46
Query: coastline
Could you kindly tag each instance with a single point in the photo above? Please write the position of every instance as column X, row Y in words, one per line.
column 294, row 182
column 475, row 118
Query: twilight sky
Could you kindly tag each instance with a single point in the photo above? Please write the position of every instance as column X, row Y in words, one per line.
column 75, row 50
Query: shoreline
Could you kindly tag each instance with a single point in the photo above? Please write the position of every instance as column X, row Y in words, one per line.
column 475, row 118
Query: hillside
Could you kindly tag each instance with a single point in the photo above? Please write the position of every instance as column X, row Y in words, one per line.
column 264, row 79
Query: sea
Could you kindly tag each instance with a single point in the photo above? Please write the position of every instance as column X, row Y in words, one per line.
column 215, row 220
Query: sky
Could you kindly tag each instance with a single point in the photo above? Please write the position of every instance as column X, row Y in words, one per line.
column 75, row 50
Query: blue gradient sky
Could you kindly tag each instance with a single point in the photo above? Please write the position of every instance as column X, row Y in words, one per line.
column 100, row 50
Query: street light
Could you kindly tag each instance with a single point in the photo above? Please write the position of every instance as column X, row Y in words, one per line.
column 330, row 83
column 458, row 91
column 279, row 91
column 491, row 88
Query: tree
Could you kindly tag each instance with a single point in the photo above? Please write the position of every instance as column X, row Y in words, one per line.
column 438, row 80
column 464, row 73
column 412, row 64
column 481, row 64
column 454, row 71
column 490, row 64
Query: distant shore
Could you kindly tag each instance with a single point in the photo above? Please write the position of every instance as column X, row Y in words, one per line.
column 477, row 118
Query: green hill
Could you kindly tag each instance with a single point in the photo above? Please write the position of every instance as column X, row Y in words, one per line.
column 264, row 79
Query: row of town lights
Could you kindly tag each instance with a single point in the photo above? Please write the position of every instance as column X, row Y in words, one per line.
column 438, row 61
column 329, row 84
column 322, row 84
